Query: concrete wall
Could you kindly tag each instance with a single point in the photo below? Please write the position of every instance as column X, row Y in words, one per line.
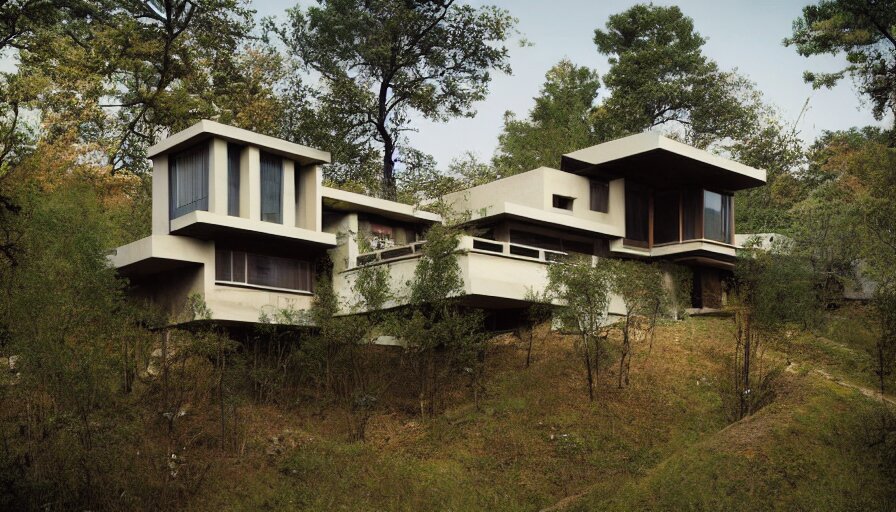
column 301, row 188
column 531, row 194
column 484, row 275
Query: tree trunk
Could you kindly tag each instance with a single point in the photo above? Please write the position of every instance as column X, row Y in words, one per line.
column 389, row 190
column 588, row 370
column 747, row 335
column 529, row 349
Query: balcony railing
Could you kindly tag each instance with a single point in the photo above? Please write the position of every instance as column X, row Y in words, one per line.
column 392, row 253
column 467, row 243
column 511, row 250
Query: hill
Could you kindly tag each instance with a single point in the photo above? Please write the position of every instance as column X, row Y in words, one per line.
column 536, row 442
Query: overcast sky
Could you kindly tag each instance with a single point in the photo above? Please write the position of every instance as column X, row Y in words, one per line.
column 742, row 34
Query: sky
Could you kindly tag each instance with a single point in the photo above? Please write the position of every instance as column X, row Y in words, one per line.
column 742, row 34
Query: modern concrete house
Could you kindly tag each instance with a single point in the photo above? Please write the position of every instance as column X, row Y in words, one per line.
column 242, row 219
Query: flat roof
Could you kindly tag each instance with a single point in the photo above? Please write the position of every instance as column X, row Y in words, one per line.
column 206, row 129
column 343, row 200
column 660, row 161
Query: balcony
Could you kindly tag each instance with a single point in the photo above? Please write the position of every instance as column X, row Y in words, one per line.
column 466, row 244
column 495, row 274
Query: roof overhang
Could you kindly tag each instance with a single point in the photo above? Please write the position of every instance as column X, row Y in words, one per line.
column 204, row 225
column 342, row 200
column 658, row 161
column 205, row 129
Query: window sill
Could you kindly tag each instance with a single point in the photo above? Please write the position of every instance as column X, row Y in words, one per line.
column 262, row 287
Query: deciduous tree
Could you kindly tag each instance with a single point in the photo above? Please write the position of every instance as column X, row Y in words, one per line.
column 559, row 123
column 583, row 289
column 381, row 61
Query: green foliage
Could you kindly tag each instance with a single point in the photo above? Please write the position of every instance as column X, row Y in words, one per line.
column 583, row 288
column 771, row 291
column 864, row 32
column 885, row 346
column 644, row 293
column 559, row 123
column 441, row 337
column 540, row 310
column 659, row 77
column 63, row 319
column 424, row 181
column 381, row 61
column 779, row 151
column 118, row 75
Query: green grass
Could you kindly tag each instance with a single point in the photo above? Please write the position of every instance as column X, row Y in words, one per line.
column 660, row 444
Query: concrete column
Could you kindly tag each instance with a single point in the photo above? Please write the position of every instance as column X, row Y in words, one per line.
column 309, row 212
column 160, row 206
column 345, row 254
column 217, row 177
column 289, row 193
column 250, row 183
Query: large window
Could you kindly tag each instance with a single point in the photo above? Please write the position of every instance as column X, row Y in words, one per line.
column 233, row 180
column 238, row 267
column 600, row 196
column 271, row 188
column 716, row 216
column 637, row 213
column 691, row 209
column 551, row 243
column 188, row 175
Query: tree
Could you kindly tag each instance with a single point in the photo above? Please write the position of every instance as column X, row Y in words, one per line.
column 869, row 180
column 540, row 310
column 121, row 73
column 659, row 77
column 779, row 151
column 583, row 289
column 645, row 296
column 441, row 336
column 62, row 314
column 559, row 123
column 379, row 61
column 865, row 30
column 771, row 289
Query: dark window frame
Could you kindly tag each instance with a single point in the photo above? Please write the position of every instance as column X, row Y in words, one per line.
column 247, row 269
column 600, row 195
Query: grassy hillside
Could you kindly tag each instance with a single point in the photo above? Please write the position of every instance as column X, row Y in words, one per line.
column 661, row 444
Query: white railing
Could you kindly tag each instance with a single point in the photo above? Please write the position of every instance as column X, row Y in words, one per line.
column 467, row 244
column 510, row 250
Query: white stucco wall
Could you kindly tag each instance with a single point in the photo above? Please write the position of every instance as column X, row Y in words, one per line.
column 530, row 195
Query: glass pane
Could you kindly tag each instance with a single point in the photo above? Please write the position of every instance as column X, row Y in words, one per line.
column 726, row 220
column 239, row 267
column 692, row 203
column 188, row 172
column 716, row 216
column 535, row 240
column 278, row 272
column 600, row 196
column 233, row 180
column 637, row 213
column 271, row 188
column 665, row 217
column 222, row 265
